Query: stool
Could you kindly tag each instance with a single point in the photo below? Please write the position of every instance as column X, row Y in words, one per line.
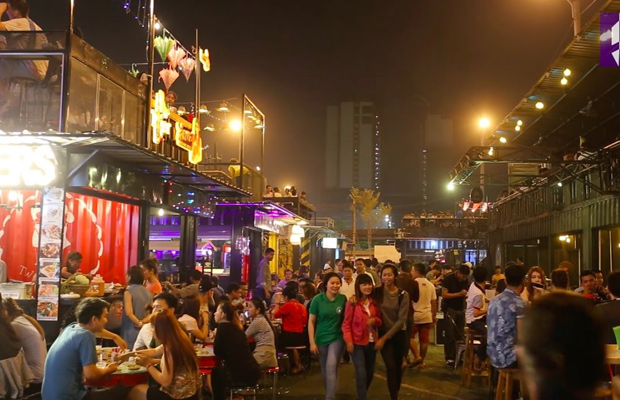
column 274, row 388
column 472, row 338
column 26, row 93
column 205, row 374
column 244, row 391
column 299, row 349
column 505, row 383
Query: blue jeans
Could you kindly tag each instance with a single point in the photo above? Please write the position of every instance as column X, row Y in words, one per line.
column 364, row 362
column 329, row 357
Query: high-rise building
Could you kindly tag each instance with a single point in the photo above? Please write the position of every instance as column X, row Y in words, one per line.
column 353, row 149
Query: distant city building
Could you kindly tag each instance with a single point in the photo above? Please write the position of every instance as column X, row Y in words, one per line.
column 437, row 157
column 353, row 150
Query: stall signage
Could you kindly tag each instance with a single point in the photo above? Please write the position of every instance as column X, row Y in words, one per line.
column 27, row 165
column 266, row 222
column 165, row 123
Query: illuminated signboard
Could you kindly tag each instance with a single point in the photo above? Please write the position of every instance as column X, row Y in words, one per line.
column 329, row 243
column 27, row 165
column 185, row 135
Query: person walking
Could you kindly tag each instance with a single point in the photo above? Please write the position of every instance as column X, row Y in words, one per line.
column 359, row 329
column 325, row 331
column 392, row 341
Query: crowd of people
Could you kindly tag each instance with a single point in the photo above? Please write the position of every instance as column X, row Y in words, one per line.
column 345, row 311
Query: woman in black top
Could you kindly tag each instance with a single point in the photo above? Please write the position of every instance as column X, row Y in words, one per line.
column 231, row 347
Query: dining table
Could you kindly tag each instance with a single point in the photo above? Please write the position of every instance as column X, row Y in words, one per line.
column 206, row 356
column 126, row 375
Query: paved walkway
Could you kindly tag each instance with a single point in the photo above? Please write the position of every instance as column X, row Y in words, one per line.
column 436, row 382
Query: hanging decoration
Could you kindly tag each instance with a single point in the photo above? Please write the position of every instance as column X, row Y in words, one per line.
column 163, row 45
column 168, row 76
column 187, row 67
column 134, row 71
column 203, row 55
column 242, row 243
column 175, row 55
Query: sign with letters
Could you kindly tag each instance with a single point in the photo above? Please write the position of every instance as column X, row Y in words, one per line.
column 27, row 165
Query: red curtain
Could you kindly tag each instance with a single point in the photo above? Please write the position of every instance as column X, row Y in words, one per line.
column 104, row 231
column 19, row 232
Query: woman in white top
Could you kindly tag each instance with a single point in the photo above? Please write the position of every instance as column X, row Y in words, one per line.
column 194, row 320
column 31, row 337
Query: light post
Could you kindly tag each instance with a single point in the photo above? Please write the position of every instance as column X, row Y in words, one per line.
column 484, row 123
column 576, row 14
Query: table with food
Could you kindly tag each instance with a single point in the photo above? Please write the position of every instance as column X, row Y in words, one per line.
column 128, row 373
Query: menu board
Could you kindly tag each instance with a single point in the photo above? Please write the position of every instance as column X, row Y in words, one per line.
column 50, row 250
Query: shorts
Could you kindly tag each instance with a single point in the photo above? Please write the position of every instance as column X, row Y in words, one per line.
column 155, row 393
column 424, row 331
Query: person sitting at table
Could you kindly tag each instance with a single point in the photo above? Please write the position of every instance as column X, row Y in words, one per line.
column 115, row 317
column 288, row 276
column 145, row 339
column 72, row 265
column 294, row 318
column 261, row 330
column 190, row 290
column 8, row 337
column 151, row 281
column 73, row 356
column 178, row 376
column 195, row 321
column 231, row 347
column 135, row 300
column 31, row 338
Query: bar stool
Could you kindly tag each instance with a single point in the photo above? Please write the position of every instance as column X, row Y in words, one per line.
column 472, row 338
column 274, row 387
column 505, row 383
column 299, row 349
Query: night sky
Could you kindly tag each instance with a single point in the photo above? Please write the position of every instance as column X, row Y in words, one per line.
column 467, row 57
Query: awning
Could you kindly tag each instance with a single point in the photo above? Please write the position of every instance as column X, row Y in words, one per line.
column 115, row 148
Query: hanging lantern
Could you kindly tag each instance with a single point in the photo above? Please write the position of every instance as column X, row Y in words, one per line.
column 205, row 60
column 187, row 67
column 163, row 45
column 174, row 56
column 168, row 76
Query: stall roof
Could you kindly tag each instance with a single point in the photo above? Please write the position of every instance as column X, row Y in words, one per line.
column 274, row 209
column 143, row 160
column 584, row 107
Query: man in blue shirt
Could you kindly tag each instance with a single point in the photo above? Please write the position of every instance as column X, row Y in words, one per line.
column 73, row 356
column 502, row 316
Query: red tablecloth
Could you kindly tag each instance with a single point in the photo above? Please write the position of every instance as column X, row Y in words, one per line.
column 118, row 379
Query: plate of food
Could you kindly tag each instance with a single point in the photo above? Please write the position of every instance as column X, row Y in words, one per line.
column 50, row 250
column 50, row 270
column 55, row 194
column 52, row 231
column 47, row 309
column 52, row 212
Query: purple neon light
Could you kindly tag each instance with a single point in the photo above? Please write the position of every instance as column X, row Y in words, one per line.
column 260, row 204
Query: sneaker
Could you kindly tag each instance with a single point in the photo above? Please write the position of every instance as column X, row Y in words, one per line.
column 450, row 363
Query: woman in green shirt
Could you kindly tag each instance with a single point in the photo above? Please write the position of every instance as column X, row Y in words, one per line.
column 325, row 331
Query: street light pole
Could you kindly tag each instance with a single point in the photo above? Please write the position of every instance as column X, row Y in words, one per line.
column 242, row 142
column 575, row 7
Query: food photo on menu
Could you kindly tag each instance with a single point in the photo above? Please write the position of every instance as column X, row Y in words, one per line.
column 52, row 232
column 48, row 289
column 50, row 250
column 47, row 310
column 50, row 269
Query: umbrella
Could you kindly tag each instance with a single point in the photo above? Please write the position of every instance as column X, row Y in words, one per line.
column 187, row 66
column 168, row 76
column 175, row 55
column 163, row 45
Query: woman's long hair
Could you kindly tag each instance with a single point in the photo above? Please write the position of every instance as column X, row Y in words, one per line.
column 231, row 314
column 176, row 343
column 191, row 307
column 13, row 311
column 5, row 323
column 530, row 288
